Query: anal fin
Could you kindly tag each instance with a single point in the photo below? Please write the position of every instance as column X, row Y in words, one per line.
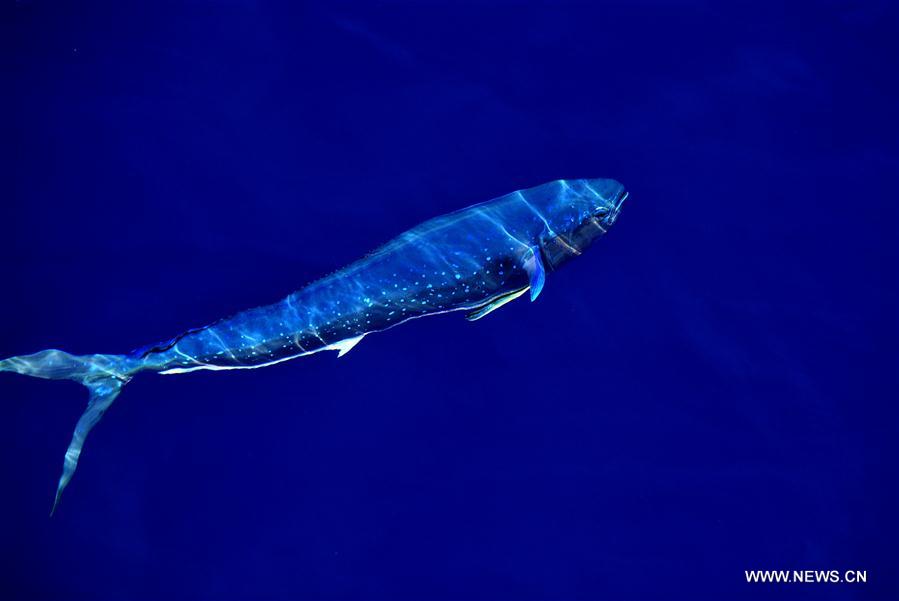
column 495, row 304
column 344, row 346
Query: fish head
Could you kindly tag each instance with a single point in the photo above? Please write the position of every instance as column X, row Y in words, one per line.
column 577, row 213
column 604, row 198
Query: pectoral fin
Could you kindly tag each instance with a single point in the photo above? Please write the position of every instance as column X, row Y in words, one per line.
column 533, row 264
column 495, row 304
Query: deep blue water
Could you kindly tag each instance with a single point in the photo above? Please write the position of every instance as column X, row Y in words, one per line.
column 712, row 388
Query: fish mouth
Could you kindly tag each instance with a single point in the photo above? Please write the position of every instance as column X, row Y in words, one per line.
column 616, row 207
column 622, row 196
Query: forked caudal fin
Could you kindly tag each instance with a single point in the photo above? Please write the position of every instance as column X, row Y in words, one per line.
column 104, row 376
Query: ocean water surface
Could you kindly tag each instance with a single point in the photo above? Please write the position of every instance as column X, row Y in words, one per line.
column 710, row 389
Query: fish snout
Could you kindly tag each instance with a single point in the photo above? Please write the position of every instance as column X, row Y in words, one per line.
column 611, row 205
column 608, row 194
column 620, row 197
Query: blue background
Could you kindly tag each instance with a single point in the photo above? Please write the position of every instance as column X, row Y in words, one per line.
column 711, row 389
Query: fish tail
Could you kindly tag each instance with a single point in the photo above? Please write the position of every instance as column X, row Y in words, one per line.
column 103, row 375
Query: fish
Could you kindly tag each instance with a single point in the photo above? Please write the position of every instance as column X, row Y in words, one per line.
column 475, row 260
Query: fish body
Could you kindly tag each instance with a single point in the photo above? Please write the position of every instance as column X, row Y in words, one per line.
column 461, row 261
column 475, row 260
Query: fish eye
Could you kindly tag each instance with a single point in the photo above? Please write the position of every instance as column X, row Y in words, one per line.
column 602, row 211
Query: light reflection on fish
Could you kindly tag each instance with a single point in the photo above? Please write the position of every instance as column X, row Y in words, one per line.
column 474, row 260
